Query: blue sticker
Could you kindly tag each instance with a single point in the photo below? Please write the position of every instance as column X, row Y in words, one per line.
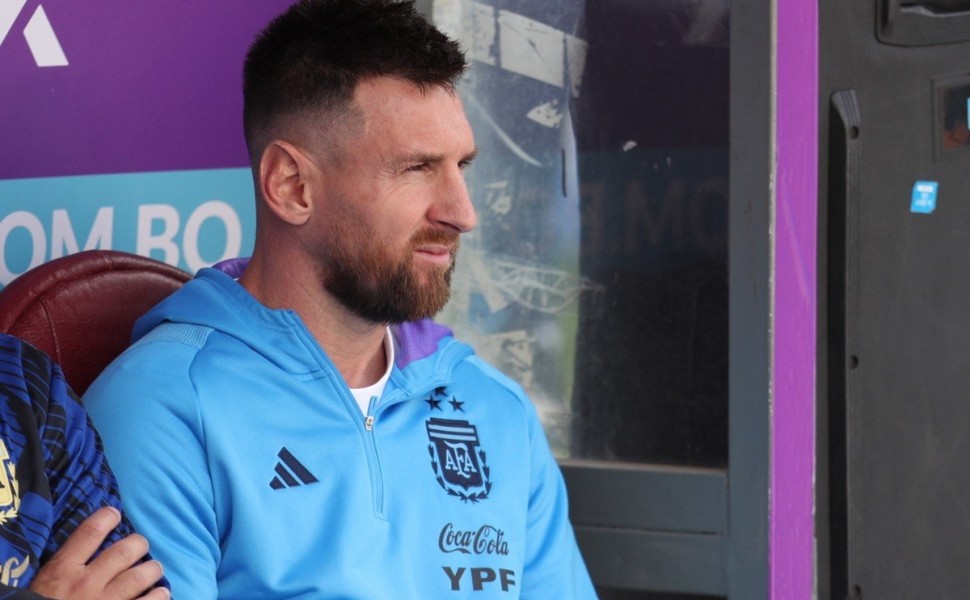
column 924, row 197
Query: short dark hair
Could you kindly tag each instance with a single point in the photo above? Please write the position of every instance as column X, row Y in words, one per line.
column 312, row 57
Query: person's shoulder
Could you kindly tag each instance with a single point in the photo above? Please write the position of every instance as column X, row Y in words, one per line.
column 430, row 343
column 160, row 359
column 27, row 375
column 165, row 347
column 486, row 376
column 183, row 334
column 491, row 372
column 21, row 357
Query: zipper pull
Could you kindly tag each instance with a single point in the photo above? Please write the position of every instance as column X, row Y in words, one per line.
column 369, row 421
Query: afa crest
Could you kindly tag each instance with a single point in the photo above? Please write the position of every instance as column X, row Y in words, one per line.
column 458, row 460
column 9, row 488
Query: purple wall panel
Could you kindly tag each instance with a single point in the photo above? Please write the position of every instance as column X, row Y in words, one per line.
column 793, row 377
column 150, row 86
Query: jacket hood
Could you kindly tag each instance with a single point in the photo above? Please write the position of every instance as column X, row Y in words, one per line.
column 214, row 299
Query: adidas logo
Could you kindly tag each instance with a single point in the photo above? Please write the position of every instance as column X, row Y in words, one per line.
column 290, row 472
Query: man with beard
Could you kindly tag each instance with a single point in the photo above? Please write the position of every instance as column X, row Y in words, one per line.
column 311, row 433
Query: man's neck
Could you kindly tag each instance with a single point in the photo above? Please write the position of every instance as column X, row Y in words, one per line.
column 355, row 345
column 356, row 349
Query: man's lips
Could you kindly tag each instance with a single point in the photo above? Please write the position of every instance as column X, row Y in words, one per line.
column 436, row 253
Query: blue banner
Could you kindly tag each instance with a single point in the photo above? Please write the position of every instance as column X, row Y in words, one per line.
column 189, row 219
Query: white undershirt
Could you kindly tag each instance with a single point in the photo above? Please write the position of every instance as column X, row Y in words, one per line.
column 363, row 395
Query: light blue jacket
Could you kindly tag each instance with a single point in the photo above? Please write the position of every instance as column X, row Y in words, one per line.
column 245, row 460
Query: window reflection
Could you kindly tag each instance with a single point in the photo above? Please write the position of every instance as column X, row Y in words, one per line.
column 598, row 274
column 954, row 110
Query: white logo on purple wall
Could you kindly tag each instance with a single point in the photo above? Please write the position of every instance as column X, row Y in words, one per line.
column 40, row 36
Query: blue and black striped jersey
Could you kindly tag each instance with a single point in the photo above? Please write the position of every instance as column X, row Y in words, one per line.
column 53, row 473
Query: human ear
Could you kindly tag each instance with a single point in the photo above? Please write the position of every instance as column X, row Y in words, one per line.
column 283, row 172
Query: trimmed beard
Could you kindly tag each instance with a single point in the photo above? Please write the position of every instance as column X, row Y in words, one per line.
column 367, row 281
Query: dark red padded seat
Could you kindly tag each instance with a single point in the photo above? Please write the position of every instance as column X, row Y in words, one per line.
column 80, row 309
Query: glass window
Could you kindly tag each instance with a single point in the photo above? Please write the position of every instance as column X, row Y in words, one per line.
column 598, row 275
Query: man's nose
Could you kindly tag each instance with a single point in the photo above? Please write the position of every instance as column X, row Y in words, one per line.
column 453, row 207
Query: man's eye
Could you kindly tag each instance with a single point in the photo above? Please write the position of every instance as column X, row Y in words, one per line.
column 417, row 168
column 464, row 164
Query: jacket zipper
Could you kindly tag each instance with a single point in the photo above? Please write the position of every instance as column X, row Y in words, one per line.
column 370, row 420
column 374, row 459
column 373, row 454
